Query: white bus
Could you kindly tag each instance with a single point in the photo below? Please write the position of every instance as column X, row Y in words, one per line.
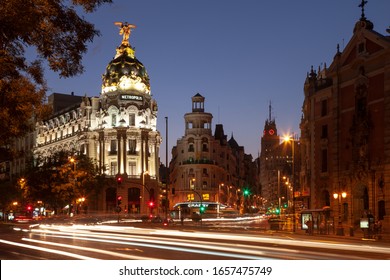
column 188, row 208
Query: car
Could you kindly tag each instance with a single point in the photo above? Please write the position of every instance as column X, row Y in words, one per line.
column 23, row 219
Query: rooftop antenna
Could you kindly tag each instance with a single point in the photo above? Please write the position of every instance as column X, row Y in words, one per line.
column 269, row 111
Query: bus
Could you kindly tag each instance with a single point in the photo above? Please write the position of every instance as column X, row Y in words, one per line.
column 189, row 208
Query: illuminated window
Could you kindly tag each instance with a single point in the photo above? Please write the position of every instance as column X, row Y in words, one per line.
column 132, row 119
column 113, row 120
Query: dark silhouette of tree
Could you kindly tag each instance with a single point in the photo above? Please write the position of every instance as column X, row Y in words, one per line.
column 59, row 181
column 58, row 35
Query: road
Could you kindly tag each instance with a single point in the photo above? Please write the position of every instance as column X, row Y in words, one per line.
column 115, row 242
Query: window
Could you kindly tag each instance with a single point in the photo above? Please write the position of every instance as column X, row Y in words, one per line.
column 324, row 132
column 132, row 147
column 191, row 147
column 131, row 119
column 324, row 160
column 361, row 48
column 113, row 147
column 113, row 120
column 113, row 168
column 132, row 168
column 324, row 107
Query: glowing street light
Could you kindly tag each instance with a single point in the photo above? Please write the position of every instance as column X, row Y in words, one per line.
column 339, row 196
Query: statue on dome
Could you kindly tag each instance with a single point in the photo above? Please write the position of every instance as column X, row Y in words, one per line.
column 125, row 30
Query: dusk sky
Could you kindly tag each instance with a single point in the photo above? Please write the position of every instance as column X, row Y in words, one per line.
column 240, row 55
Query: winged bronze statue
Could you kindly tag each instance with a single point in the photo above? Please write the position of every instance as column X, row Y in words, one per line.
column 125, row 30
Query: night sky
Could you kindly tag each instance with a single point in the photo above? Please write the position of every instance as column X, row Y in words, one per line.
column 240, row 55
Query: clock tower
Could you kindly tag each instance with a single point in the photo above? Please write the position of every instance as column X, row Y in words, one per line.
column 269, row 160
column 270, row 139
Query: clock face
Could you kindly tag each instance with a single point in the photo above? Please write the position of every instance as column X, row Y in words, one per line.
column 271, row 132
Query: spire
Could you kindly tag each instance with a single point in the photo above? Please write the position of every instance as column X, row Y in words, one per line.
column 269, row 112
column 363, row 22
column 362, row 4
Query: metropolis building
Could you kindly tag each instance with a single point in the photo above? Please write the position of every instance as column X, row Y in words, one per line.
column 117, row 129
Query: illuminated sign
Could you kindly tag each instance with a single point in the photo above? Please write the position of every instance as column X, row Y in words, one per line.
column 131, row 97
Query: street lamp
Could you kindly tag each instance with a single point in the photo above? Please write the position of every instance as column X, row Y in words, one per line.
column 73, row 161
column 292, row 140
column 143, row 190
column 219, row 202
column 339, row 196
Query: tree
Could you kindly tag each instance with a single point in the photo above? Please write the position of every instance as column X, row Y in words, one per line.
column 58, row 35
column 57, row 181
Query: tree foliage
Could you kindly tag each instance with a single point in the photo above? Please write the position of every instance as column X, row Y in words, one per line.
column 58, row 35
column 58, row 182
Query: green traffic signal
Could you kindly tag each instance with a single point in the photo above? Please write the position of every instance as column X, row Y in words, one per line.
column 246, row 192
column 202, row 209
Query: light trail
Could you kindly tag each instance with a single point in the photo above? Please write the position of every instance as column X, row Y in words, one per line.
column 125, row 256
column 187, row 246
column 184, row 241
column 72, row 255
column 278, row 241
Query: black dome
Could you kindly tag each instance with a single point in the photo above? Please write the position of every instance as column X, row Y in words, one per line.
column 125, row 65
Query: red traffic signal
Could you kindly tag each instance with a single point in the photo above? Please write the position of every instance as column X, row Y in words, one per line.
column 119, row 200
column 151, row 203
column 119, row 180
column 29, row 208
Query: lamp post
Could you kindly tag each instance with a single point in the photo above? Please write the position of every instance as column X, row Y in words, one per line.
column 292, row 140
column 279, row 202
column 218, row 199
column 73, row 161
column 143, row 191
column 338, row 197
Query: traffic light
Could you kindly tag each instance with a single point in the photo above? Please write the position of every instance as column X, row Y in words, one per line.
column 202, row 209
column 151, row 204
column 277, row 210
column 29, row 208
column 119, row 180
column 246, row 192
column 119, row 200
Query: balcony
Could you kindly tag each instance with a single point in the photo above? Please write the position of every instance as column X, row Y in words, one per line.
column 199, row 161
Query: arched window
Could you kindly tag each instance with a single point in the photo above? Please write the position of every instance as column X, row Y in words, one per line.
column 205, row 144
column 191, row 147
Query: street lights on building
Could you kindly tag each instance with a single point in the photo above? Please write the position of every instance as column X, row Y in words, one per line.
column 339, row 197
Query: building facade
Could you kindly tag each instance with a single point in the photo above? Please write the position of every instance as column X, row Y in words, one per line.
column 118, row 129
column 207, row 167
column 345, row 130
column 279, row 168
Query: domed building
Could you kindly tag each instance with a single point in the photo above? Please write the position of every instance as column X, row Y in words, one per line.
column 118, row 129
